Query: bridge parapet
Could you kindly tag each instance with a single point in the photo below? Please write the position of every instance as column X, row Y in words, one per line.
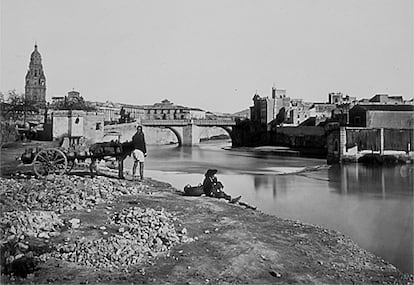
column 197, row 122
column 166, row 122
column 205, row 122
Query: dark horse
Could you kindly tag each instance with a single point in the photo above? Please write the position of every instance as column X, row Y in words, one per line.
column 115, row 149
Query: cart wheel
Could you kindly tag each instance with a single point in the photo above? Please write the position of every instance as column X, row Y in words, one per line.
column 50, row 161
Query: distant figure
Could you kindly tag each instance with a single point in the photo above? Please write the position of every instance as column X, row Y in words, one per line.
column 139, row 153
column 214, row 188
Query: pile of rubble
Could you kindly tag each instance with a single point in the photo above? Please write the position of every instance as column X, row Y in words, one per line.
column 155, row 228
column 142, row 234
column 31, row 218
column 21, row 224
column 16, row 229
column 61, row 193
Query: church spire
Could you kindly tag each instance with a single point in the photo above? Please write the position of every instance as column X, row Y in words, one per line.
column 35, row 87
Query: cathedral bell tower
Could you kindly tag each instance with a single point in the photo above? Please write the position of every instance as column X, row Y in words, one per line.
column 35, row 87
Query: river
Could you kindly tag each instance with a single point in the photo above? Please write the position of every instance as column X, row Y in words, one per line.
column 372, row 205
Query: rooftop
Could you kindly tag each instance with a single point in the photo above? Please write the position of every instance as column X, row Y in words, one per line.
column 386, row 107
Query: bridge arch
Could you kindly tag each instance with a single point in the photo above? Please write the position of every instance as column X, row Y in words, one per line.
column 229, row 130
column 187, row 132
column 177, row 134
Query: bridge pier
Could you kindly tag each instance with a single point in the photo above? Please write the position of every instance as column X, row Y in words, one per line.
column 191, row 135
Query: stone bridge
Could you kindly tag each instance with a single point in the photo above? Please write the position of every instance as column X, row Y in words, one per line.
column 186, row 131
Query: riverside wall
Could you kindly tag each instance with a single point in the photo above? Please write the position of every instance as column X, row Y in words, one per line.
column 379, row 144
column 310, row 141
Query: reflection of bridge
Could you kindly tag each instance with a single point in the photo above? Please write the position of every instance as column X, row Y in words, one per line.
column 186, row 131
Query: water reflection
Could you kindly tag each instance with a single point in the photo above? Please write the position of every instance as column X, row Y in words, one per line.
column 381, row 209
column 381, row 181
column 264, row 183
column 372, row 205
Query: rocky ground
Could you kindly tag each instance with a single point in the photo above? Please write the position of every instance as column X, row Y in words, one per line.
column 74, row 229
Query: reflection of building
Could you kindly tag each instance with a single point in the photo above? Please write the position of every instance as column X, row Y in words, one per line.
column 166, row 110
column 35, row 87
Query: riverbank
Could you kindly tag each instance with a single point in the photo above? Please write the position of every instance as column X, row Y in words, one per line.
column 207, row 240
column 369, row 158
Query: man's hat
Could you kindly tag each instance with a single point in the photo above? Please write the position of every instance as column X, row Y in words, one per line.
column 210, row 172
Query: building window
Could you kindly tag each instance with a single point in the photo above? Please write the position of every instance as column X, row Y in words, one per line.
column 98, row 126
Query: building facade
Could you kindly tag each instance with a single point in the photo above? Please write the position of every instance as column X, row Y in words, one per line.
column 386, row 99
column 136, row 112
column 35, row 83
column 338, row 98
column 382, row 116
column 265, row 109
column 76, row 124
column 166, row 110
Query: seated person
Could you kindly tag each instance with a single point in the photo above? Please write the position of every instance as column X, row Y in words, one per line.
column 214, row 188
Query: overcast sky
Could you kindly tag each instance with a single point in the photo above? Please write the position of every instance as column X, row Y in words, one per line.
column 210, row 54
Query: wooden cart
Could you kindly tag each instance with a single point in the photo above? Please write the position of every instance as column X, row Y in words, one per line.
column 59, row 160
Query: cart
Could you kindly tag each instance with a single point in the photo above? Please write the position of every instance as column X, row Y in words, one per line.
column 58, row 160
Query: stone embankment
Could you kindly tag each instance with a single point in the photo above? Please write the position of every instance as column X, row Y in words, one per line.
column 74, row 229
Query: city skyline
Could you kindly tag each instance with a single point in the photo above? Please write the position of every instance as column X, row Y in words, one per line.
column 211, row 55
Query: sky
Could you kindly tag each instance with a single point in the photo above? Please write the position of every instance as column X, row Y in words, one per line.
column 215, row 54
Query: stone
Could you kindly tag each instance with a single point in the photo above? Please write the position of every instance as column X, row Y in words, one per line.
column 20, row 255
column 22, row 246
column 143, row 233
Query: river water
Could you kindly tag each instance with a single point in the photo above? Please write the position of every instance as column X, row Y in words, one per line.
column 372, row 205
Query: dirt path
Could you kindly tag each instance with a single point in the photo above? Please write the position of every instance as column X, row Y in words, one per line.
column 228, row 244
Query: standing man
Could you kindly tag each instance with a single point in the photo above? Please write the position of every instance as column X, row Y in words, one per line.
column 139, row 153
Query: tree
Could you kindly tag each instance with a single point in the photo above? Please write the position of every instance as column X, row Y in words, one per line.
column 16, row 107
column 75, row 104
column 8, row 132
